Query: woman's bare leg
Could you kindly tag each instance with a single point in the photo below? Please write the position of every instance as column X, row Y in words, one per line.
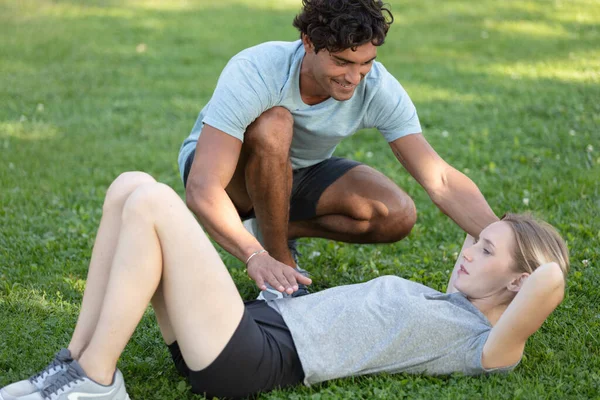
column 102, row 257
column 162, row 315
column 160, row 243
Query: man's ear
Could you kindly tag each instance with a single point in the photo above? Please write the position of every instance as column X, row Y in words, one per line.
column 517, row 283
column 309, row 47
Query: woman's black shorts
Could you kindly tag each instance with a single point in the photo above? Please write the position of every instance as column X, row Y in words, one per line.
column 259, row 357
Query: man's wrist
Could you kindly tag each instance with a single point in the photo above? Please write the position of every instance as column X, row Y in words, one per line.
column 254, row 254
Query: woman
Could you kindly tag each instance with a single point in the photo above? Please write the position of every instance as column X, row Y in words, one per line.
column 150, row 248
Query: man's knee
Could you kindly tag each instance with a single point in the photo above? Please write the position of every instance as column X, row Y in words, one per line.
column 398, row 222
column 271, row 133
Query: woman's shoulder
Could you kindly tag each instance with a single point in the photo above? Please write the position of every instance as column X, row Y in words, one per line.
column 395, row 280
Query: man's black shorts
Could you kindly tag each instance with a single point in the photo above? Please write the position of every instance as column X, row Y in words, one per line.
column 308, row 185
column 260, row 356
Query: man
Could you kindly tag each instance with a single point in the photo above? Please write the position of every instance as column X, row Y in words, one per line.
column 262, row 146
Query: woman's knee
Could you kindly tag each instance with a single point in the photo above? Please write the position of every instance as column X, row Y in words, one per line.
column 271, row 133
column 122, row 187
column 149, row 199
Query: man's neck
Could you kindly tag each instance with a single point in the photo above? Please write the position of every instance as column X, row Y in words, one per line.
column 310, row 91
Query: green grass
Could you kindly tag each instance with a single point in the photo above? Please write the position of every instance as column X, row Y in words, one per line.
column 508, row 92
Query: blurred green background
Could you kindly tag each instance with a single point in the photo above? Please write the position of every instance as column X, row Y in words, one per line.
column 508, row 92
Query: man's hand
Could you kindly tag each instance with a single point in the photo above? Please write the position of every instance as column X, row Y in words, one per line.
column 265, row 269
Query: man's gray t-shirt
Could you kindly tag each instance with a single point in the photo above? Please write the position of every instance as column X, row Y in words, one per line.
column 268, row 75
column 388, row 324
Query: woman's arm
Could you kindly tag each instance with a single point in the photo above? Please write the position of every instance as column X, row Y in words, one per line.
column 469, row 241
column 541, row 293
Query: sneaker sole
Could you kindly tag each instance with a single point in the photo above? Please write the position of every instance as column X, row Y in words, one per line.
column 270, row 294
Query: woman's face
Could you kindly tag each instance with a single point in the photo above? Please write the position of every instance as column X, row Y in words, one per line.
column 487, row 267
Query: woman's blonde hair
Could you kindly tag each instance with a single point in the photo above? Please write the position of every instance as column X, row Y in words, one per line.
column 537, row 243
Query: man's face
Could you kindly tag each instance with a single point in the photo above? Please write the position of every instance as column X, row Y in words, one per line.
column 338, row 74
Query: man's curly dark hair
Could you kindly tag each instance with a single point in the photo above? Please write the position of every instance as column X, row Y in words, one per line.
column 337, row 25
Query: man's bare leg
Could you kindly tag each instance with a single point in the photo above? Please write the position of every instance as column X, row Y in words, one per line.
column 362, row 206
column 263, row 179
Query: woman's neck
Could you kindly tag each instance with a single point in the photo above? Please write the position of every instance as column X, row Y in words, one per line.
column 491, row 308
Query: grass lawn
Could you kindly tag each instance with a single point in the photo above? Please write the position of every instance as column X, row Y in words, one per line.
column 508, row 92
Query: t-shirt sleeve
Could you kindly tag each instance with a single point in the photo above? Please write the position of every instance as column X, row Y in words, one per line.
column 473, row 357
column 242, row 94
column 392, row 111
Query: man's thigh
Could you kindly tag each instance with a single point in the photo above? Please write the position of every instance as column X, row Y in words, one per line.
column 333, row 186
column 363, row 193
column 312, row 182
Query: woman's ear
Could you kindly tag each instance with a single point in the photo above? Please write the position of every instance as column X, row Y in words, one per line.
column 517, row 283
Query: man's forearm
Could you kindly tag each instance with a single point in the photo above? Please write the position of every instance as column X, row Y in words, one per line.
column 461, row 200
column 219, row 218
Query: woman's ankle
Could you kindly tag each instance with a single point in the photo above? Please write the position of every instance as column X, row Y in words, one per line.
column 96, row 370
column 75, row 351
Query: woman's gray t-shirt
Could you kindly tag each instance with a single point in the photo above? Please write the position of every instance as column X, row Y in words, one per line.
column 388, row 324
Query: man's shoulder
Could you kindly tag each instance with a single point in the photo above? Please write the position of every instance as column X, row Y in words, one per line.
column 268, row 53
column 379, row 75
column 381, row 84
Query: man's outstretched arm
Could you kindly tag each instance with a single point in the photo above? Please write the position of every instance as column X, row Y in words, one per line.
column 215, row 161
column 451, row 191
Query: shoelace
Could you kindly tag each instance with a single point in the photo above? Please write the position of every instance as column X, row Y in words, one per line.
column 293, row 246
column 67, row 379
column 46, row 371
column 302, row 289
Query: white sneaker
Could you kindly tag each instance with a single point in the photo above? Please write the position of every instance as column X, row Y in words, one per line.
column 251, row 226
column 74, row 384
column 38, row 381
